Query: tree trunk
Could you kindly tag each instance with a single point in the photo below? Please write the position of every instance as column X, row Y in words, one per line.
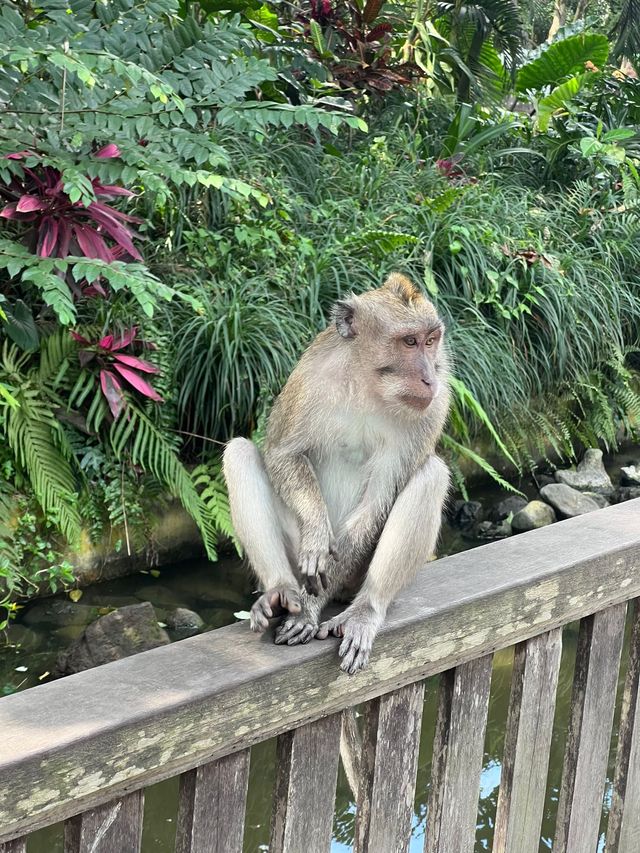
column 559, row 18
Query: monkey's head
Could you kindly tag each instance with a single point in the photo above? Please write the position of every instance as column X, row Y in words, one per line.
column 396, row 336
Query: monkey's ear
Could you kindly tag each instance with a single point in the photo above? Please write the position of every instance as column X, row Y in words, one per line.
column 343, row 316
column 402, row 287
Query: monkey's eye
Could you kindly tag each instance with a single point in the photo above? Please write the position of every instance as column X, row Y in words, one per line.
column 410, row 341
column 430, row 341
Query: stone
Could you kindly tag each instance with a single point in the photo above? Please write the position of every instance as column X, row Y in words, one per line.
column 534, row 515
column 544, row 480
column 117, row 635
column 489, row 530
column 566, row 501
column 589, row 476
column 630, row 475
column 466, row 513
column 626, row 493
column 601, row 500
column 60, row 612
column 184, row 622
column 508, row 506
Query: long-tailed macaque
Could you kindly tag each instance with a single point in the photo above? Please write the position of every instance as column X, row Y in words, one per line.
column 349, row 494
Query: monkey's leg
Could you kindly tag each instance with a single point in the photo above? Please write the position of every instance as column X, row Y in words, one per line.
column 260, row 527
column 407, row 540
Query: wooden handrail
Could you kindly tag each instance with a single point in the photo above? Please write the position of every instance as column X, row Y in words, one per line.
column 72, row 744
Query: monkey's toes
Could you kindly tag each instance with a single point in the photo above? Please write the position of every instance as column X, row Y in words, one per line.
column 354, row 654
column 293, row 632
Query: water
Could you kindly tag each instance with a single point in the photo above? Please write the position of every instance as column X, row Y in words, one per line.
column 216, row 591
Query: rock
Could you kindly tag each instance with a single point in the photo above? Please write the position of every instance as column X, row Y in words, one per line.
column 488, row 530
column 601, row 500
column 566, row 501
column 507, row 507
column 534, row 515
column 544, row 480
column 26, row 638
column 589, row 476
column 630, row 475
column 60, row 612
column 124, row 632
column 626, row 493
column 185, row 622
column 466, row 513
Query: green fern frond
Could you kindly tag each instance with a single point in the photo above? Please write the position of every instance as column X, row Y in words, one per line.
column 39, row 446
column 135, row 438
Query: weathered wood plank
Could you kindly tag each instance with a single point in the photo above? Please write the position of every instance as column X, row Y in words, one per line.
column 117, row 825
column 351, row 750
column 305, row 793
column 527, row 744
column 623, row 830
column 18, row 845
column 160, row 713
column 458, row 749
column 589, row 734
column 388, row 773
column 212, row 806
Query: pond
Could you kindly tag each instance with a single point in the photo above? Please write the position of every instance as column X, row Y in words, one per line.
column 216, row 592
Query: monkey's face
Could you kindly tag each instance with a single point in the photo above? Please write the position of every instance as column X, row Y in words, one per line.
column 406, row 365
column 395, row 337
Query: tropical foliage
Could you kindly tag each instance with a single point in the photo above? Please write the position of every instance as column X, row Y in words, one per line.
column 184, row 191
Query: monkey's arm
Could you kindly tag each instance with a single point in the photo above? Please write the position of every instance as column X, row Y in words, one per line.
column 407, row 540
column 294, row 479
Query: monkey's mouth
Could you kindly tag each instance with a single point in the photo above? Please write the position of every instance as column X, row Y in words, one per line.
column 418, row 402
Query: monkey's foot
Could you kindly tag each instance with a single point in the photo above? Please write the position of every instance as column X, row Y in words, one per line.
column 296, row 630
column 358, row 626
column 272, row 603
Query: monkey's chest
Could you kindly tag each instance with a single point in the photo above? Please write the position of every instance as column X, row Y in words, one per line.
column 343, row 475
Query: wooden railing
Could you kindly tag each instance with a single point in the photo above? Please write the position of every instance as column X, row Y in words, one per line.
column 82, row 749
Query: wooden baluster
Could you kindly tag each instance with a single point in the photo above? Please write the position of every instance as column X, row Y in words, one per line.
column 527, row 744
column 18, row 845
column 589, row 734
column 305, row 794
column 623, row 831
column 116, row 825
column 387, row 784
column 458, row 750
column 212, row 806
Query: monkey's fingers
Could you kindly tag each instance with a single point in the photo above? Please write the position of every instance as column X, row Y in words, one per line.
column 287, row 597
column 260, row 614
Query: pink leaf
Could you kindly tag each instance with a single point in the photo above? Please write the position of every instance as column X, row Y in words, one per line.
column 18, row 155
column 79, row 338
column 65, row 234
column 108, row 151
column 91, row 243
column 138, row 383
column 136, row 363
column 109, row 190
column 112, row 390
column 47, row 236
column 125, row 339
column 9, row 212
column 115, row 230
column 29, row 203
column 106, row 342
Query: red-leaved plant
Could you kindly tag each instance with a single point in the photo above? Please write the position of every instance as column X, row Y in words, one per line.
column 62, row 227
column 115, row 365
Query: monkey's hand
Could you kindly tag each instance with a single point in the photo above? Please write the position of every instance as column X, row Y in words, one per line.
column 317, row 553
column 358, row 626
column 272, row 603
